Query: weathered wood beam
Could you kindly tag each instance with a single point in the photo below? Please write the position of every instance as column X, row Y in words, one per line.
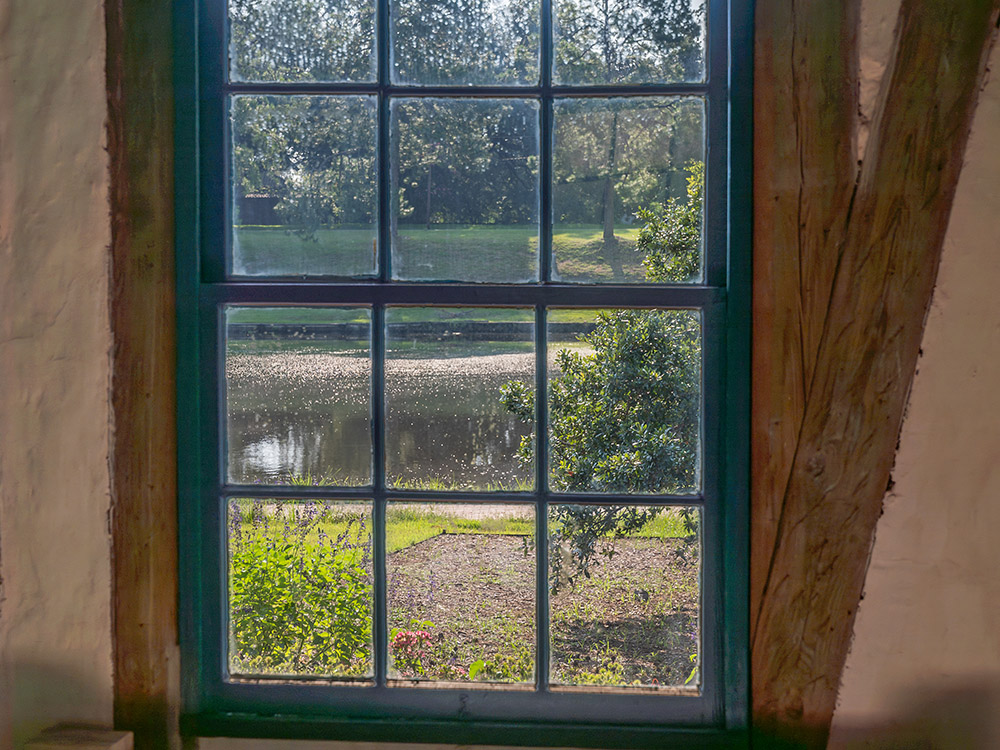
column 805, row 169
column 143, row 466
column 865, row 362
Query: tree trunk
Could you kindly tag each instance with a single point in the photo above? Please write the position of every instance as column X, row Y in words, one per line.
column 610, row 241
column 427, row 214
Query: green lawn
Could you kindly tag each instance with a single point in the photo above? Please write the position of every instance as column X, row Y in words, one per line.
column 490, row 253
column 407, row 524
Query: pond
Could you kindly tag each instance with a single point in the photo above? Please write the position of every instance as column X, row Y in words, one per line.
column 301, row 410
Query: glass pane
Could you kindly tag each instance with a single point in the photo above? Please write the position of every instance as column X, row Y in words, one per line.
column 624, row 401
column 625, row 596
column 298, row 395
column 449, row 373
column 461, row 591
column 627, row 192
column 304, row 186
column 300, row 588
column 629, row 41
column 302, row 40
column 484, row 42
column 465, row 186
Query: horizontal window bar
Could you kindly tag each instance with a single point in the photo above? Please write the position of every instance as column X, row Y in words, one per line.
column 493, row 295
column 331, row 492
column 634, row 89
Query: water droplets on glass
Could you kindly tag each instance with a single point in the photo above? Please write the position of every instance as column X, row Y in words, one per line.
column 629, row 41
column 302, row 40
column 464, row 42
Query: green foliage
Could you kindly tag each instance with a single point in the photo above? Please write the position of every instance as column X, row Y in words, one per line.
column 300, row 601
column 624, row 416
column 456, row 160
column 613, row 41
column 670, row 238
column 302, row 40
column 424, row 651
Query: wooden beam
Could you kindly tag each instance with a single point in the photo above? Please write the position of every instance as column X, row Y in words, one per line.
column 867, row 352
column 144, row 491
column 805, row 168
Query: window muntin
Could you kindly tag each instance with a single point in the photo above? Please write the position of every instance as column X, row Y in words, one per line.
column 222, row 286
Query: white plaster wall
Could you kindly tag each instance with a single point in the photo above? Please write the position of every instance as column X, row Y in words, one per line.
column 55, row 611
column 924, row 667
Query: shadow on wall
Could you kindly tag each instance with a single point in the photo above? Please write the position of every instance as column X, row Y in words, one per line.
column 965, row 717
column 42, row 695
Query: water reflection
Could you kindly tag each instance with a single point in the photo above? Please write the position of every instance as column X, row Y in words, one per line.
column 295, row 411
column 445, row 426
column 305, row 414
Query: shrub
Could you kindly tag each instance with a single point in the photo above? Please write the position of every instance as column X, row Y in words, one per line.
column 300, row 600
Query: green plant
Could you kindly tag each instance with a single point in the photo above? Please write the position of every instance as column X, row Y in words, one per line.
column 300, row 601
column 410, row 648
column 624, row 413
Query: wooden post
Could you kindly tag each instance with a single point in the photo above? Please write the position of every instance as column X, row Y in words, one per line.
column 887, row 262
column 143, row 463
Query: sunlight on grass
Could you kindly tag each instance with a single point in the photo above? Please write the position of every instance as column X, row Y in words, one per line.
column 408, row 524
column 482, row 252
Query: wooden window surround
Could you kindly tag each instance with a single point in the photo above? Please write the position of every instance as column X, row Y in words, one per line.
column 844, row 265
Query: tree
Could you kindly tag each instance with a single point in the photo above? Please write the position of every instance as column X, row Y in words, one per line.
column 625, row 417
column 316, row 155
column 302, row 40
column 625, row 41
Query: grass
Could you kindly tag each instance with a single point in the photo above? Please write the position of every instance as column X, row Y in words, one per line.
column 411, row 523
column 468, row 598
column 406, row 525
column 489, row 253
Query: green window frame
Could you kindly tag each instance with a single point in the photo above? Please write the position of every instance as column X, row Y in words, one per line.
column 213, row 704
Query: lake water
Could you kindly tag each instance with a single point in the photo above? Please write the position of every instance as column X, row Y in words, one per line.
column 305, row 412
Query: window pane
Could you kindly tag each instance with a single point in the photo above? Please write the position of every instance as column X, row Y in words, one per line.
column 624, row 401
column 298, row 395
column 484, row 42
column 300, row 588
column 625, row 595
column 461, row 592
column 620, row 165
column 629, row 41
column 302, row 40
column 465, row 186
column 447, row 372
column 304, row 186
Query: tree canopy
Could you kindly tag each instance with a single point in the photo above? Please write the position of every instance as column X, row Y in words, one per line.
column 624, row 415
column 458, row 161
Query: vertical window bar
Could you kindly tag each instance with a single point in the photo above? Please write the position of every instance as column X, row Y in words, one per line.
column 716, row 222
column 542, row 506
column 383, row 154
column 379, row 629
column 545, row 148
column 380, row 633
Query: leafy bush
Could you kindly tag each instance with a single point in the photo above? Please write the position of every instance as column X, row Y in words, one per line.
column 300, row 600
column 624, row 418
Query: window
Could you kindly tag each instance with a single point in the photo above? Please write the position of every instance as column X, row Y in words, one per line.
column 463, row 388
